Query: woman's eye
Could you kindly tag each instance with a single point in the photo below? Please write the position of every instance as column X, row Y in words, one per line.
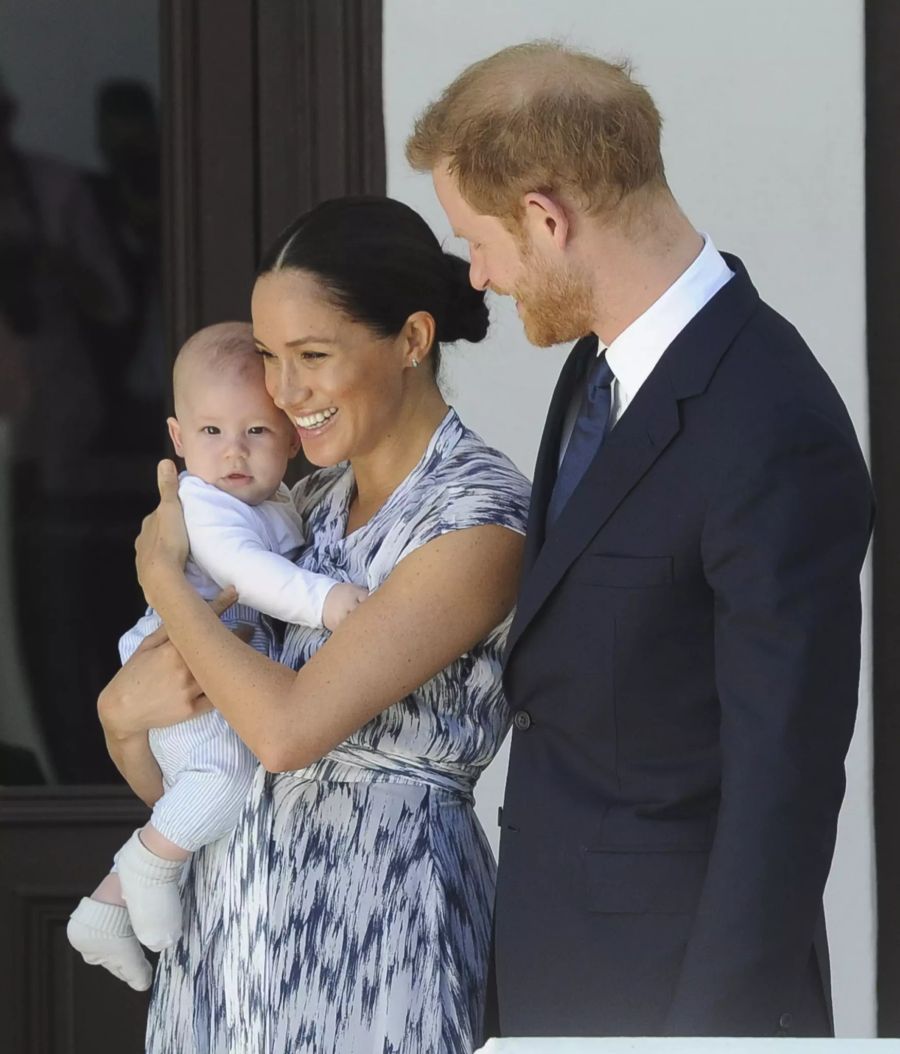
column 264, row 354
column 210, row 430
column 313, row 356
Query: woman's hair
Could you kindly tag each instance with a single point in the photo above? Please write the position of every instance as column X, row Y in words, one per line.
column 542, row 117
column 379, row 262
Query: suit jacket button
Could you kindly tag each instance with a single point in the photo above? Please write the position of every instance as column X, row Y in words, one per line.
column 785, row 1021
column 522, row 720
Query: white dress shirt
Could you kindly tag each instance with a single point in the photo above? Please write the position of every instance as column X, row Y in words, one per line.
column 633, row 355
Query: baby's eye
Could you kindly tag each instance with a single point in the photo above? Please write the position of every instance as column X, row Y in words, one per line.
column 211, row 430
column 257, row 430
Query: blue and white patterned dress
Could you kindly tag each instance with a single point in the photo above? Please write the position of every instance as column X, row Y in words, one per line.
column 350, row 910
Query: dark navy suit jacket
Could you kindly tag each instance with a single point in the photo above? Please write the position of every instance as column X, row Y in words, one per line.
column 683, row 669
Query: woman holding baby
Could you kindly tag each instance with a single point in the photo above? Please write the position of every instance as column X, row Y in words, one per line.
column 350, row 909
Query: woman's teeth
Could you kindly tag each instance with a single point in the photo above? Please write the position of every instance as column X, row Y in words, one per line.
column 316, row 419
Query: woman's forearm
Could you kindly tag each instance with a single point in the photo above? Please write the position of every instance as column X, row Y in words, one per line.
column 133, row 759
column 252, row 692
column 437, row 604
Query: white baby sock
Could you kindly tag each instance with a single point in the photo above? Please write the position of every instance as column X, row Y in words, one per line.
column 150, row 890
column 103, row 935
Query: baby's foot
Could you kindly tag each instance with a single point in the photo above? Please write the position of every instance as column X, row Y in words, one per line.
column 150, row 890
column 103, row 935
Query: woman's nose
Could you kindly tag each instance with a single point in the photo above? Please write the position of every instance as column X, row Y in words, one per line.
column 288, row 392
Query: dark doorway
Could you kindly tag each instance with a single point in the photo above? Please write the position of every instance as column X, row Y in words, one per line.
column 250, row 113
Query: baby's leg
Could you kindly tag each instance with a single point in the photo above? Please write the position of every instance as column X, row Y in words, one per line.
column 109, row 891
column 100, row 929
column 209, row 772
column 149, row 866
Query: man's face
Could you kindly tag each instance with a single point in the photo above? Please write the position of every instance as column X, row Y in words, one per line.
column 552, row 298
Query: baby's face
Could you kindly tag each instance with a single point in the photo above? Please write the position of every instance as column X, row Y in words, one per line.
column 232, row 435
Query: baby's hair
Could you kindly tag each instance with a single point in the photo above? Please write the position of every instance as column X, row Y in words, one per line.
column 226, row 347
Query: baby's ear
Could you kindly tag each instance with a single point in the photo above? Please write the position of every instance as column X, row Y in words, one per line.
column 175, row 435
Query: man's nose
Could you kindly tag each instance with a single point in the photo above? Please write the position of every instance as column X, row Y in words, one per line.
column 478, row 277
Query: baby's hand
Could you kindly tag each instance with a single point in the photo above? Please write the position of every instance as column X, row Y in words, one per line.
column 340, row 601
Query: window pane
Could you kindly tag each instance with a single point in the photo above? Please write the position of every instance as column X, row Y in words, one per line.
column 83, row 369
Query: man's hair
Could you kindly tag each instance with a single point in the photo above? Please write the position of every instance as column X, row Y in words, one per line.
column 542, row 117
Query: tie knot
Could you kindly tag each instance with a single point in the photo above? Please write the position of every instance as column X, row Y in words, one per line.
column 599, row 375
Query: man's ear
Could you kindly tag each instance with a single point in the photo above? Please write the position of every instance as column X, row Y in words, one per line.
column 546, row 216
column 175, row 435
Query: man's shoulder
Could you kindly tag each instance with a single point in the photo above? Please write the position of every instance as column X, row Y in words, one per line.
column 766, row 361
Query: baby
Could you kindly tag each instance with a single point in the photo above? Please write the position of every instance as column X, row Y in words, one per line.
column 243, row 532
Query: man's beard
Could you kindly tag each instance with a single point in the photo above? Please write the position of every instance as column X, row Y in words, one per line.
column 556, row 306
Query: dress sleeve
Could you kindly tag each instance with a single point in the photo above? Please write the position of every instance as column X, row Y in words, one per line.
column 226, row 543
column 481, row 488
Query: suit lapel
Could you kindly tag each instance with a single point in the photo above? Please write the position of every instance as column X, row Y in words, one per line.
column 649, row 426
column 626, row 455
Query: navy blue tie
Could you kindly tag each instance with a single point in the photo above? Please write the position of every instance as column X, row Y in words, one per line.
column 587, row 435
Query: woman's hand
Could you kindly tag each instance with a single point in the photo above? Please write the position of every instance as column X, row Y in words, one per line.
column 154, row 688
column 162, row 546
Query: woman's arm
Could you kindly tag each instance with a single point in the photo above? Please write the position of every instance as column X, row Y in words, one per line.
column 438, row 603
column 153, row 689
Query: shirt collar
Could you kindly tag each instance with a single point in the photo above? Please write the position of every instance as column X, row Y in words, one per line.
column 638, row 348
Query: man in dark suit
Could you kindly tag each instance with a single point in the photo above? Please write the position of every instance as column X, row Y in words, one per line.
column 683, row 666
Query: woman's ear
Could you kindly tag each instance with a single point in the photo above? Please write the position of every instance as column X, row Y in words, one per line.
column 175, row 435
column 418, row 338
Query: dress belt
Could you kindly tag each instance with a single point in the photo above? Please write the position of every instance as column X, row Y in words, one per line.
column 348, row 763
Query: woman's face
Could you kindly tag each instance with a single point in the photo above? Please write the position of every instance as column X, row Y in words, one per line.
column 341, row 384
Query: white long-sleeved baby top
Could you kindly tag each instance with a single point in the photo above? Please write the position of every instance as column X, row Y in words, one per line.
column 240, row 545
column 206, row 768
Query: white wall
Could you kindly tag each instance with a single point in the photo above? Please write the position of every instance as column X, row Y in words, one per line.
column 764, row 145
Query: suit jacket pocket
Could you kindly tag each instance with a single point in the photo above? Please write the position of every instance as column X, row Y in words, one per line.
column 626, row 572
column 628, row 882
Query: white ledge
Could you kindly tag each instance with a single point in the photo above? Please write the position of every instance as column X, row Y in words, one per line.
column 691, row 1046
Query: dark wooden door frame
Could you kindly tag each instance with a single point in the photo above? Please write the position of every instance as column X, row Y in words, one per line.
column 882, row 41
column 300, row 80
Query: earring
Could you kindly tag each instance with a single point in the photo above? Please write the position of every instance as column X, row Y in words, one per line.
column 415, row 363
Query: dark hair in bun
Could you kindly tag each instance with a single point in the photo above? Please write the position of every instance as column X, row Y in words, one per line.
column 380, row 262
column 467, row 313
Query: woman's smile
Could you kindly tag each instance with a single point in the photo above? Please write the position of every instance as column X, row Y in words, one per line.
column 315, row 421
